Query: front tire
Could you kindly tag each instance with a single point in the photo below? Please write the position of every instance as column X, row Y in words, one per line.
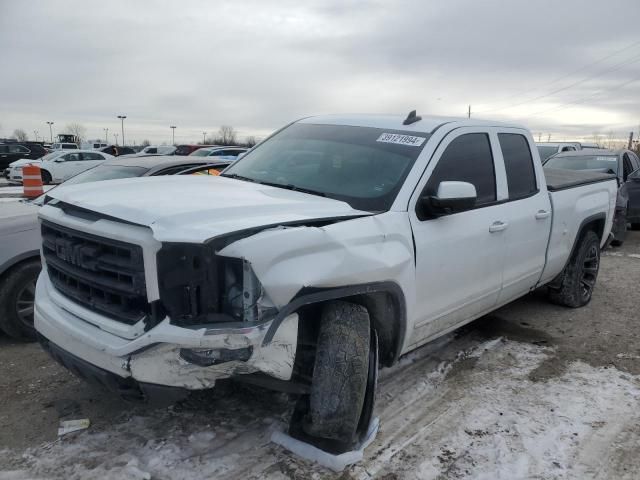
column 579, row 276
column 17, row 296
column 46, row 177
column 340, row 375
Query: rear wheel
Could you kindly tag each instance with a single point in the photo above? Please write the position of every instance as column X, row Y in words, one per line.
column 341, row 374
column 579, row 276
column 635, row 226
column 17, row 297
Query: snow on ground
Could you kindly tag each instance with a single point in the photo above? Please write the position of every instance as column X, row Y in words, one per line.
column 445, row 412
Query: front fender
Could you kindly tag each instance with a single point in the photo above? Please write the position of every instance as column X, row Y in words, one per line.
column 370, row 249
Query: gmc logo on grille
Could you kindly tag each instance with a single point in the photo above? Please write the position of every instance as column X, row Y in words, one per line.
column 69, row 252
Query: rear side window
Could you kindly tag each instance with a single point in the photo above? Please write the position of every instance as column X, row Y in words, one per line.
column 468, row 158
column 521, row 176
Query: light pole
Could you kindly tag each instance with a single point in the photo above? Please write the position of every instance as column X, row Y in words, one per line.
column 122, row 117
column 173, row 134
column 204, row 137
column 106, row 135
column 35, row 134
column 50, row 130
column 116, row 135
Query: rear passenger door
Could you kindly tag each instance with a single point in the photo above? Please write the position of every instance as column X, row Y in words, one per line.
column 528, row 212
column 459, row 256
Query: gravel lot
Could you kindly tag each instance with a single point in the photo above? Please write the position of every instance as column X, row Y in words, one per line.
column 531, row 391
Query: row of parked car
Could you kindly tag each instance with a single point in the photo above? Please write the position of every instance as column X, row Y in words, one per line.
column 623, row 163
column 62, row 164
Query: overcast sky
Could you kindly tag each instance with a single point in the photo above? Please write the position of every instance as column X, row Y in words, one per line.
column 257, row 65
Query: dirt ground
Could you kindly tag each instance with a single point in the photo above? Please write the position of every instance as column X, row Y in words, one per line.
column 531, row 391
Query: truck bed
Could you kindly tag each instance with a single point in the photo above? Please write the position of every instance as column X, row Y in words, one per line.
column 558, row 179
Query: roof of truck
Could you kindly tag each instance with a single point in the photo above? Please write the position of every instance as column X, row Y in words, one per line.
column 428, row 124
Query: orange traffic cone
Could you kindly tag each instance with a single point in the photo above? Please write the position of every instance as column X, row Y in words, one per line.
column 32, row 181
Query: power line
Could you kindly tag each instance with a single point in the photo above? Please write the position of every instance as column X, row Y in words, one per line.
column 613, row 68
column 583, row 99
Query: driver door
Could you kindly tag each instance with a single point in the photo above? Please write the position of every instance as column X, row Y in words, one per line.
column 459, row 256
column 66, row 166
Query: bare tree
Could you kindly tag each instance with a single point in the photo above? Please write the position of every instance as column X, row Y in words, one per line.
column 78, row 130
column 145, row 143
column 250, row 141
column 20, row 135
column 227, row 135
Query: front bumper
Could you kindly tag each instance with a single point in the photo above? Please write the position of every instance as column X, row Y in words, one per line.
column 154, row 356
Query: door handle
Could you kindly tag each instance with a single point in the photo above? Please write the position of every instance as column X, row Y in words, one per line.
column 498, row 226
column 542, row 214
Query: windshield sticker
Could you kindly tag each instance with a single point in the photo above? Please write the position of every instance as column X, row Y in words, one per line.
column 607, row 159
column 401, row 139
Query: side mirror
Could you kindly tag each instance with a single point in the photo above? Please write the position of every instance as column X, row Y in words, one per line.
column 451, row 197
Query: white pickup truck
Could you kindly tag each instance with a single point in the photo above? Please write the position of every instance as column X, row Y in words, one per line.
column 333, row 247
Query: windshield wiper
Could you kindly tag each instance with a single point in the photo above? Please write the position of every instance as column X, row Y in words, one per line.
column 290, row 186
column 235, row 176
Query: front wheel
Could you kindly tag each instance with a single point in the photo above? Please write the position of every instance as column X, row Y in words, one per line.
column 579, row 276
column 340, row 376
column 17, row 297
column 46, row 177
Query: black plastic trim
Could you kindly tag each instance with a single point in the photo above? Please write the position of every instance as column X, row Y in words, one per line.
column 311, row 296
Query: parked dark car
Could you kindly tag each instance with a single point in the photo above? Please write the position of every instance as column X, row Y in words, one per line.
column 117, row 150
column 10, row 152
column 20, row 236
column 189, row 149
column 625, row 165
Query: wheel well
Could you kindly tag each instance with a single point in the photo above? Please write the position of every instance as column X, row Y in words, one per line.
column 12, row 267
column 596, row 225
column 387, row 315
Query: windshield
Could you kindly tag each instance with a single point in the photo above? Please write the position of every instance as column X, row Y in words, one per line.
column 600, row 163
column 106, row 172
column 546, row 151
column 201, row 152
column 362, row 166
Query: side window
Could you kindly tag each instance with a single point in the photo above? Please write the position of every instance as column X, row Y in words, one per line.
column 92, row 156
column 626, row 165
column 18, row 149
column 217, row 153
column 468, row 158
column 521, row 175
column 634, row 161
column 71, row 157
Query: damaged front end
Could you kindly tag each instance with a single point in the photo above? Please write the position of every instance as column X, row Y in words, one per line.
column 222, row 300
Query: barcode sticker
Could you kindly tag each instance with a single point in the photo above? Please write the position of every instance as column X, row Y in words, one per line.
column 401, row 139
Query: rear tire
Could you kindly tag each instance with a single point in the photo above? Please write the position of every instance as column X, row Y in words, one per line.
column 340, row 375
column 17, row 296
column 46, row 177
column 579, row 276
column 635, row 226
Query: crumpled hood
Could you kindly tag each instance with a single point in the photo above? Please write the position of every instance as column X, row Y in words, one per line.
column 196, row 208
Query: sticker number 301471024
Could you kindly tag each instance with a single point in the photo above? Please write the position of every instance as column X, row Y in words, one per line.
column 401, row 139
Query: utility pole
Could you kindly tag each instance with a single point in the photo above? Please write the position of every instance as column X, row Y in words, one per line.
column 204, row 137
column 469, row 112
column 116, row 135
column 35, row 134
column 122, row 117
column 549, row 138
column 540, row 137
column 106, row 135
column 50, row 131
column 173, row 134
column 630, row 144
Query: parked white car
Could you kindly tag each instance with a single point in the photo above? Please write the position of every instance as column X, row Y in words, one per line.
column 65, row 146
column 157, row 150
column 333, row 247
column 59, row 165
column 546, row 149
